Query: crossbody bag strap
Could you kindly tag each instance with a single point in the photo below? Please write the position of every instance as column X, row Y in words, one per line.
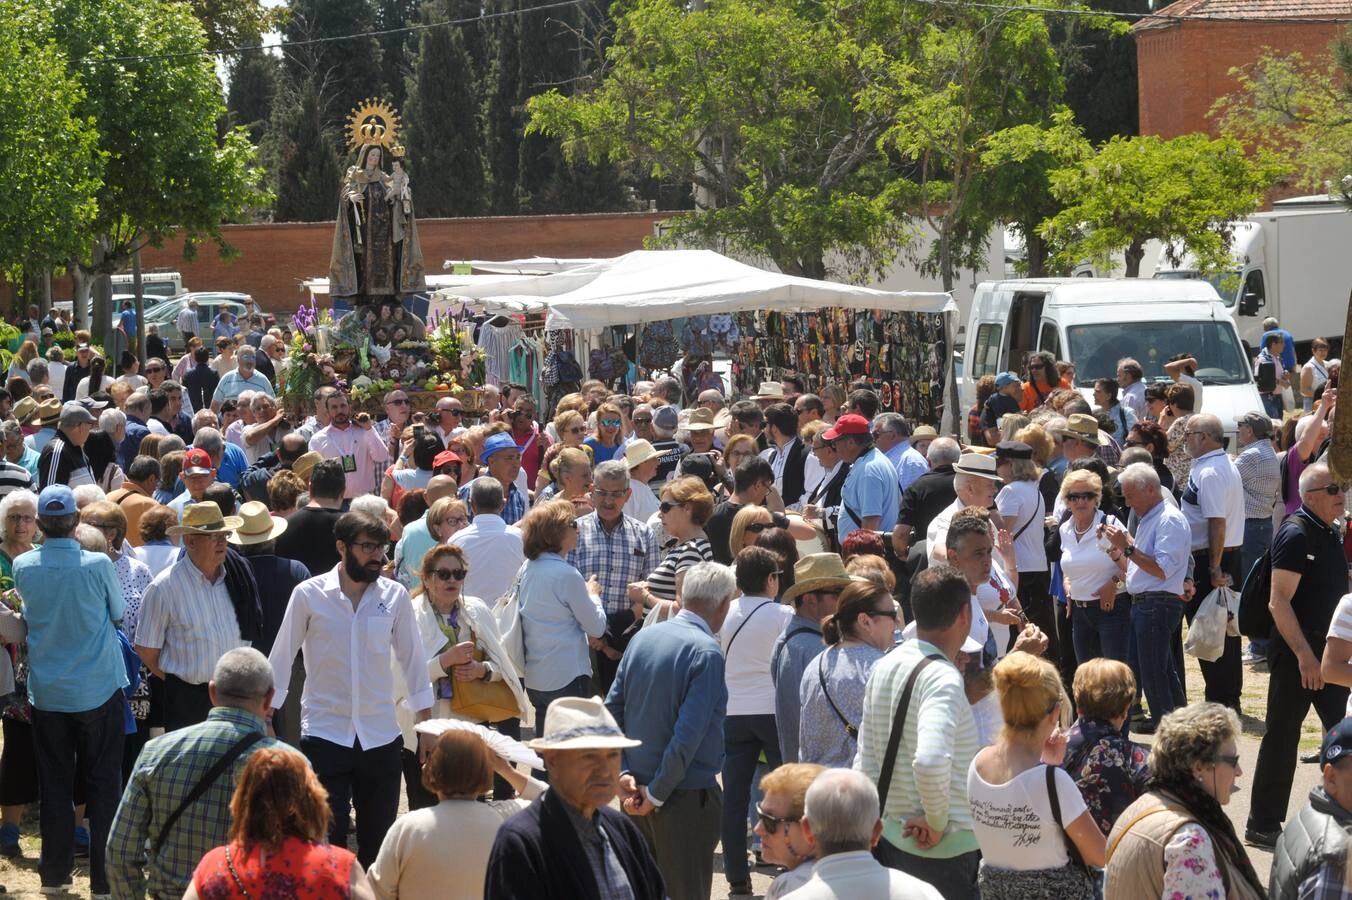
column 774, row 661
column 1112, row 848
column 1072, row 851
column 1031, row 519
column 235, row 751
column 728, row 649
column 852, row 731
column 898, row 723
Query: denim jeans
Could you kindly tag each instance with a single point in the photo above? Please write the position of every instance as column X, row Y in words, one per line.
column 1097, row 633
column 96, row 736
column 745, row 738
column 580, row 686
column 1257, row 539
column 954, row 877
column 1155, row 618
column 1272, row 405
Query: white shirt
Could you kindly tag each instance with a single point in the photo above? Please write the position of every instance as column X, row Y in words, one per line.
column 1133, row 398
column 493, row 551
column 937, row 532
column 997, row 591
column 1214, row 491
column 746, row 670
column 1014, row 823
column 642, row 503
column 190, row 620
column 1021, row 504
column 349, row 684
column 1185, row 378
column 1083, row 562
column 1341, row 627
column 813, row 475
column 854, row 875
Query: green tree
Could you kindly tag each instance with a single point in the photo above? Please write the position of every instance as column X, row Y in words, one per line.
column 1300, row 111
column 302, row 155
column 1184, row 192
column 346, row 71
column 756, row 104
column 48, row 185
column 253, row 85
column 398, row 48
column 232, row 23
column 502, row 117
column 156, row 106
column 1100, row 69
column 442, row 129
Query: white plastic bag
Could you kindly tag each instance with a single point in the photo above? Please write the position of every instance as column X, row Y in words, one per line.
column 1232, row 606
column 1206, row 634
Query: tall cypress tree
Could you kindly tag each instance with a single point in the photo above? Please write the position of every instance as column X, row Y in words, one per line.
column 397, row 49
column 1101, row 86
column 503, row 119
column 442, row 128
column 253, row 84
column 302, row 152
column 345, row 72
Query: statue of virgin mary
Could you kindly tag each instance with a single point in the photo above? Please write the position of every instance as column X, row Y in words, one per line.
column 376, row 255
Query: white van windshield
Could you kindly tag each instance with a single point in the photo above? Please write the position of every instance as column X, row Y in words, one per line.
column 1095, row 350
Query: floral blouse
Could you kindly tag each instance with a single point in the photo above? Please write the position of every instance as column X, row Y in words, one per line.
column 1178, row 460
column 1109, row 769
column 1190, row 869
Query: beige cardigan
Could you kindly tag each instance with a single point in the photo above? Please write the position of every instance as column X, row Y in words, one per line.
column 442, row 851
column 487, row 638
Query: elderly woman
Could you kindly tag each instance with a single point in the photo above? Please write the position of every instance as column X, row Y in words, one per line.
column 134, row 575
column 605, row 444
column 445, row 517
column 157, row 551
column 1150, row 436
column 1181, row 409
column 18, row 765
column 779, row 825
column 1100, row 610
column 1026, row 810
column 570, row 478
column 1176, row 840
column 442, row 850
column 462, row 643
column 686, row 506
column 561, row 615
column 857, row 635
column 1109, row 769
column 1022, row 508
column 279, row 819
column 572, row 429
column 284, row 490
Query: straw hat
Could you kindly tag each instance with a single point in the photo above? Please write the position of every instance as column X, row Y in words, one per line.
column 700, row 420
column 24, row 409
column 638, row 452
column 581, row 723
column 305, row 462
column 258, row 525
column 1082, row 427
column 978, row 464
column 205, row 518
column 769, row 390
column 924, row 433
column 48, row 411
column 818, row 572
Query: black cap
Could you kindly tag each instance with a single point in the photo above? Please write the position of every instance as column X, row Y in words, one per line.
column 1337, row 743
column 701, row 466
column 1013, row 450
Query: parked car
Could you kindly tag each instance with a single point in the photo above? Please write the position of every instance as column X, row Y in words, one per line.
column 209, row 303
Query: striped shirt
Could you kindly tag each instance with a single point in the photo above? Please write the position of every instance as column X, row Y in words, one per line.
column 662, row 581
column 617, row 557
column 1261, row 473
column 61, row 462
column 514, row 506
column 189, row 619
column 167, row 769
column 14, row 477
column 938, row 743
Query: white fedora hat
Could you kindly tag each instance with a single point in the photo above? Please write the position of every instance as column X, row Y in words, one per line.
column 581, row 723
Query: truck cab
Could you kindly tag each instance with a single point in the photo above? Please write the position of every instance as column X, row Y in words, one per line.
column 1094, row 322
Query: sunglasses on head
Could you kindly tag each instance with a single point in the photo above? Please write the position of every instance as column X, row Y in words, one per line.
column 772, row 823
column 450, row 574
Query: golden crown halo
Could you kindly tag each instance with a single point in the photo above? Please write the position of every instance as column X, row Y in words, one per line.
column 372, row 122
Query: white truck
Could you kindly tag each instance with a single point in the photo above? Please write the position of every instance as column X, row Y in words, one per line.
column 1094, row 322
column 1293, row 263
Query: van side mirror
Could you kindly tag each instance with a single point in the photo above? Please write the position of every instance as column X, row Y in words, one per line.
column 1248, row 304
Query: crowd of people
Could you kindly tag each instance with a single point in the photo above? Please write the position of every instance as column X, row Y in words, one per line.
column 874, row 659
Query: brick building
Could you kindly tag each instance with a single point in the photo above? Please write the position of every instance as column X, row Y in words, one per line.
column 1183, row 64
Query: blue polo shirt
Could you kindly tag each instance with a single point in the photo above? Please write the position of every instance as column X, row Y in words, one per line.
column 870, row 490
column 71, row 598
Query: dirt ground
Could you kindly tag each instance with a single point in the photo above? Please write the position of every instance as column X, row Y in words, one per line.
column 20, row 877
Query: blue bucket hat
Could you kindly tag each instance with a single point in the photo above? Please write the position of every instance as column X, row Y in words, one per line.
column 500, row 441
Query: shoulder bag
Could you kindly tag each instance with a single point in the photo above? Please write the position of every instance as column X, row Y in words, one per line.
column 235, row 751
column 483, row 701
column 898, row 723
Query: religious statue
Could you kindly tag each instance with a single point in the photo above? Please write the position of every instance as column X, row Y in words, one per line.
column 376, row 257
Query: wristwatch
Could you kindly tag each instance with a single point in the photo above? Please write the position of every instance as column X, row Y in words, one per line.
column 1130, row 551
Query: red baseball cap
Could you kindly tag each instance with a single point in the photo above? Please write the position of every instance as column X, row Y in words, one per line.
column 851, row 423
column 445, row 457
column 197, row 462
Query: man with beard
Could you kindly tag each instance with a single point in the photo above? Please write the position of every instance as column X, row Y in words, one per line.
column 347, row 620
column 354, row 442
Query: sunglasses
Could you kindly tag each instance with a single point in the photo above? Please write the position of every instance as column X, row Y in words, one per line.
column 1081, row 495
column 150, row 369
column 758, row 527
column 451, row 412
column 1231, row 760
column 450, row 574
column 667, row 506
column 1332, row 490
column 610, row 423
column 883, row 613
column 642, row 420
column 772, row 823
column 397, row 401
column 577, row 429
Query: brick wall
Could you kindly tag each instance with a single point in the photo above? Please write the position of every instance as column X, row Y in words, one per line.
column 1184, row 68
column 274, row 259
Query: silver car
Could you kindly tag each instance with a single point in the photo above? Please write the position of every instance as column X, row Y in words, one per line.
column 209, row 304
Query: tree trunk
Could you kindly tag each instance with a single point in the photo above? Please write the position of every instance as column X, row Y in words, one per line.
column 1134, row 253
column 101, row 299
column 81, row 282
column 1035, row 254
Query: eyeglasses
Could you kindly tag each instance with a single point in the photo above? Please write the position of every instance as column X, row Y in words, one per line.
column 614, row 495
column 642, row 420
column 578, row 429
column 667, row 506
column 397, row 401
column 458, row 521
column 1231, row 760
column 1332, row 490
column 883, row 613
column 450, row 574
column 21, row 518
column 610, row 423
column 772, row 823
column 1081, row 495
column 367, row 546
column 573, row 524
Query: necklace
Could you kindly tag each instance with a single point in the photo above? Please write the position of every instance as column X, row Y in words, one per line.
column 1079, row 533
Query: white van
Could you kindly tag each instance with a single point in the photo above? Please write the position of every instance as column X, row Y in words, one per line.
column 157, row 284
column 1094, row 322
